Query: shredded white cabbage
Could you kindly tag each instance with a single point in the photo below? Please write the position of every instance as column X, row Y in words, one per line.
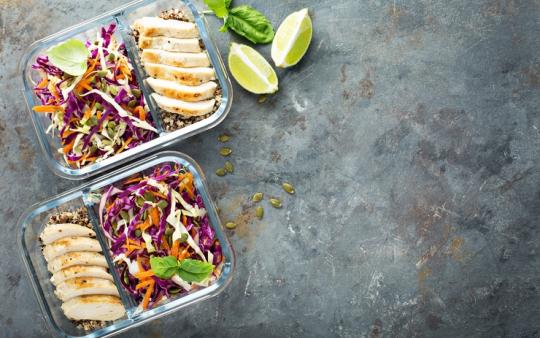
column 133, row 268
column 178, row 280
column 148, row 240
column 136, row 122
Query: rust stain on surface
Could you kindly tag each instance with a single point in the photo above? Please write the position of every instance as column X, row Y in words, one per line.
column 455, row 248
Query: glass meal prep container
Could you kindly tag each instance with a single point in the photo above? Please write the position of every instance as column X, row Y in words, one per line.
column 123, row 17
column 33, row 221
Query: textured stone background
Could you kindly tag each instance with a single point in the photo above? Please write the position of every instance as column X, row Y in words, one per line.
column 411, row 133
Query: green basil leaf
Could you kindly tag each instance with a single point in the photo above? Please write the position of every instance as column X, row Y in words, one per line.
column 70, row 56
column 192, row 277
column 195, row 266
column 164, row 267
column 250, row 23
column 219, row 7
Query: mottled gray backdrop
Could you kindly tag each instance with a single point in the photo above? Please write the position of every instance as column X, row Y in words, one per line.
column 411, row 133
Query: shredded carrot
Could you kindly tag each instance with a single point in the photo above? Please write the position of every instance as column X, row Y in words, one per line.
column 146, row 224
column 54, row 92
column 139, row 110
column 158, row 194
column 43, row 83
column 124, row 145
column 47, row 109
column 147, row 295
column 98, row 113
column 154, row 213
column 144, row 284
column 67, row 148
column 175, row 247
column 144, row 274
column 184, row 219
column 164, row 243
column 184, row 253
column 87, row 114
column 133, row 180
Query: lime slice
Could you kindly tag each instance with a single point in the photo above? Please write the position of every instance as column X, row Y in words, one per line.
column 251, row 70
column 292, row 39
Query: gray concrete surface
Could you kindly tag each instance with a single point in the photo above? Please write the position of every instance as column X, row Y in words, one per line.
column 411, row 133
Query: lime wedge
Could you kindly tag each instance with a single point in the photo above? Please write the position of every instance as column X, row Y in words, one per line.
column 251, row 70
column 292, row 39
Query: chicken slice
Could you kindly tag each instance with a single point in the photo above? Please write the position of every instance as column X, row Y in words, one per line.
column 170, row 44
column 182, row 92
column 70, row 244
column 82, row 286
column 175, row 59
column 154, row 26
column 80, row 271
column 76, row 258
column 94, row 307
column 186, row 109
column 53, row 232
column 188, row 76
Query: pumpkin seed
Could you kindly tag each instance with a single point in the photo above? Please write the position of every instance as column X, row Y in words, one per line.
column 136, row 93
column 228, row 167
column 113, row 90
column 111, row 57
column 132, row 103
column 102, row 73
column 288, row 188
column 259, row 212
column 126, row 278
column 262, row 98
column 183, row 238
column 162, row 204
column 174, row 291
column 230, row 225
column 257, row 197
column 276, row 203
column 138, row 233
column 223, row 138
column 225, row 151
column 169, row 231
column 221, row 172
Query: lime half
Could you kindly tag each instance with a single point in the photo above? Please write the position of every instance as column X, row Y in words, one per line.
column 251, row 70
column 292, row 39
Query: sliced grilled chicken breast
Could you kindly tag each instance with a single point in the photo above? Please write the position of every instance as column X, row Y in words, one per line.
column 80, row 271
column 154, row 26
column 188, row 76
column 183, row 92
column 184, row 108
column 94, row 307
column 176, row 59
column 70, row 244
column 53, row 232
column 76, row 258
column 82, row 286
column 170, row 44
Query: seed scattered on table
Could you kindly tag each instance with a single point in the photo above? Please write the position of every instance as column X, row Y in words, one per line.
column 259, row 212
column 228, row 167
column 257, row 197
column 276, row 203
column 223, row 138
column 225, row 151
column 221, row 172
column 230, row 225
column 262, row 98
column 288, row 188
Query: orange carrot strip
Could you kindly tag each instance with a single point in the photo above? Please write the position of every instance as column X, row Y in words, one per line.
column 147, row 295
column 184, row 253
column 147, row 224
column 67, row 148
column 144, row 274
column 46, row 109
column 164, row 243
column 158, row 194
column 139, row 264
column 184, row 219
column 124, row 145
column 43, row 83
column 139, row 110
column 154, row 213
column 144, row 284
column 175, row 247
column 133, row 180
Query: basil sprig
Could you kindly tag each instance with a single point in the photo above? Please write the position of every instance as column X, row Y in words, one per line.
column 244, row 20
column 190, row 270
